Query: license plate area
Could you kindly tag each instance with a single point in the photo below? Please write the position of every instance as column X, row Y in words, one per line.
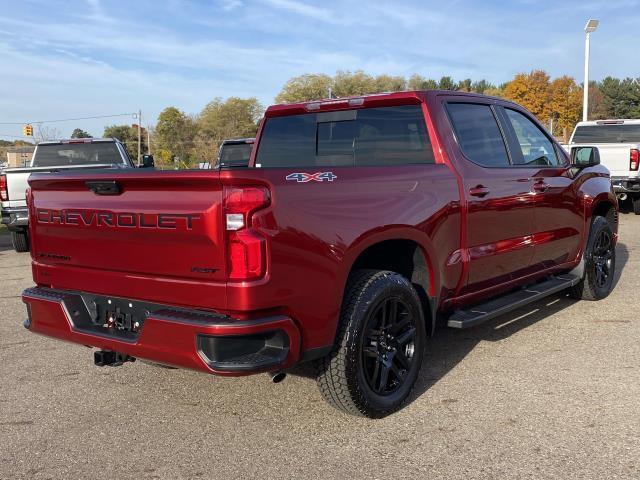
column 106, row 316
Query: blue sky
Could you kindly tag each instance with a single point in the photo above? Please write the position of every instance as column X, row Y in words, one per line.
column 64, row 59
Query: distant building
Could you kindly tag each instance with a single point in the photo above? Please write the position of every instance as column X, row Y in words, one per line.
column 19, row 156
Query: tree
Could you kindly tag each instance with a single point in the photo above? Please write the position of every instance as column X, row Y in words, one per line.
column 43, row 132
column 305, row 88
column 565, row 104
column 128, row 135
column 447, row 83
column 418, row 82
column 464, row 85
column 219, row 120
column 388, row 83
column 349, row 84
column 494, row 92
column 482, row 86
column 79, row 133
column 597, row 108
column 174, row 136
column 532, row 91
column 621, row 97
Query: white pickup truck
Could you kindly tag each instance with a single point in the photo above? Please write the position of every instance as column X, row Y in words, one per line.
column 618, row 142
column 81, row 153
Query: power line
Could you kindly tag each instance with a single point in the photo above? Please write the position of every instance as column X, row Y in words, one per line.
column 13, row 136
column 71, row 119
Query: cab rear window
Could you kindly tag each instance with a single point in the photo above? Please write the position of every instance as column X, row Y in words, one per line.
column 607, row 133
column 235, row 155
column 365, row 137
column 57, row 155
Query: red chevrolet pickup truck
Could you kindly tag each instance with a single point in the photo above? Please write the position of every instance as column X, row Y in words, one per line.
column 359, row 225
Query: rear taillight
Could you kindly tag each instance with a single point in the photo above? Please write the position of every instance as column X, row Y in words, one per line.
column 246, row 246
column 4, row 192
column 634, row 159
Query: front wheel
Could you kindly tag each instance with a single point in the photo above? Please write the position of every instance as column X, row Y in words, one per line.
column 379, row 347
column 599, row 263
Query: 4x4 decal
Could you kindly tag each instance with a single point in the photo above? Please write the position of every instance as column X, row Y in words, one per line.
column 307, row 177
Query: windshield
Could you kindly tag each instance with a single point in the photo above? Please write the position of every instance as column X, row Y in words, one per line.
column 77, row 154
column 607, row 134
column 235, row 155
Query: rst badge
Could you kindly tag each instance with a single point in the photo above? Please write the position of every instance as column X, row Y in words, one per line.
column 308, row 177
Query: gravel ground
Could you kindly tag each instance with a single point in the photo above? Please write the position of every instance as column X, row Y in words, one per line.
column 549, row 391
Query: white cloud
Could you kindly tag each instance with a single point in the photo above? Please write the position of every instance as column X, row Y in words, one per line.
column 77, row 62
column 228, row 5
column 303, row 9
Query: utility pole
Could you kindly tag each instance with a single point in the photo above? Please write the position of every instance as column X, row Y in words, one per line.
column 139, row 135
column 148, row 140
column 589, row 28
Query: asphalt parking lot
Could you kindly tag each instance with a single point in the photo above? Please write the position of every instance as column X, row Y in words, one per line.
column 550, row 391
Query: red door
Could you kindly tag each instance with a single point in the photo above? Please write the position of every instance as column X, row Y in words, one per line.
column 500, row 204
column 558, row 217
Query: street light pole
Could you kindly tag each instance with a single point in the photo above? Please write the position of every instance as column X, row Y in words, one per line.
column 139, row 135
column 589, row 27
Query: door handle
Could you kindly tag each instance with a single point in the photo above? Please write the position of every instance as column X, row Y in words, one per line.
column 540, row 186
column 478, row 191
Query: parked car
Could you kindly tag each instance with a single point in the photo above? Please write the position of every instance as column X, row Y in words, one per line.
column 74, row 154
column 235, row 153
column 364, row 223
column 618, row 142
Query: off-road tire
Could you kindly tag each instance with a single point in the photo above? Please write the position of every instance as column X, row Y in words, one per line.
column 635, row 201
column 20, row 241
column 589, row 287
column 342, row 375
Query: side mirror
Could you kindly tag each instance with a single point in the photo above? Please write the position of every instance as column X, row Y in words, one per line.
column 147, row 161
column 585, row 156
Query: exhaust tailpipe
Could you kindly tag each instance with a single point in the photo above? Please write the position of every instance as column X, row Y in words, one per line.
column 622, row 197
column 277, row 377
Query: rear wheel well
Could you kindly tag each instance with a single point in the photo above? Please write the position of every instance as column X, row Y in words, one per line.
column 406, row 258
column 607, row 210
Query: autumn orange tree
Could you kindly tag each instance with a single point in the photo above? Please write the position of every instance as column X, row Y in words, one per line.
column 565, row 103
column 532, row 91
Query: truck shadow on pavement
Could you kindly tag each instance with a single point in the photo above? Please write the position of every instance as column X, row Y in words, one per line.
column 5, row 241
column 449, row 347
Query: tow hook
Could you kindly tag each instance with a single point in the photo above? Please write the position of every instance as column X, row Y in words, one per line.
column 106, row 358
column 277, row 377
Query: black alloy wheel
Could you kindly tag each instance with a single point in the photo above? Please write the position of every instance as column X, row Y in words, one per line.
column 388, row 346
column 379, row 347
column 602, row 258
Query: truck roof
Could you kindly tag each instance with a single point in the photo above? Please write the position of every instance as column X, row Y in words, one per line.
column 386, row 99
column 612, row 121
column 78, row 140
column 238, row 141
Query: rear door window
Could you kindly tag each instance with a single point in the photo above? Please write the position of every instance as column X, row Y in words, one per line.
column 478, row 134
column 365, row 137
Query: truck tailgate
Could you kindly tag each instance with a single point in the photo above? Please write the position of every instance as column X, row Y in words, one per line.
column 17, row 178
column 153, row 225
column 615, row 156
